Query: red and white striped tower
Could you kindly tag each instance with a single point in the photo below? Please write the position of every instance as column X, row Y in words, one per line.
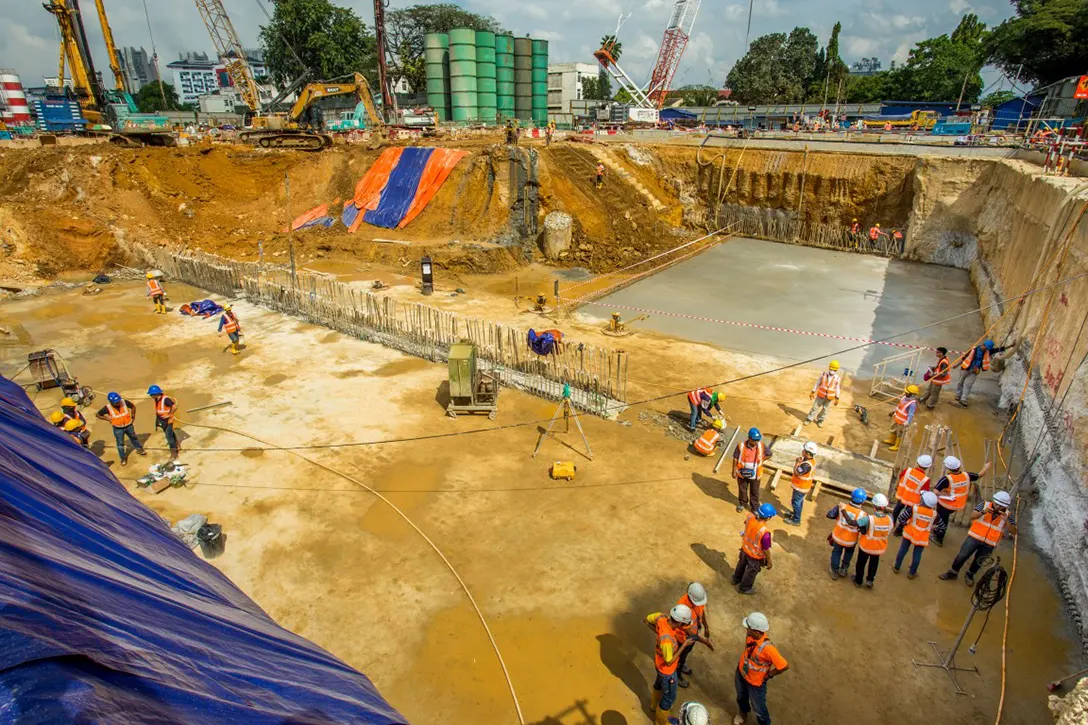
column 13, row 106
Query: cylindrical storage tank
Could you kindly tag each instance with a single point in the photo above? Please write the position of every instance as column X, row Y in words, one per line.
column 523, row 79
column 463, row 102
column 539, row 77
column 504, row 76
column 486, row 100
column 14, row 108
column 436, row 55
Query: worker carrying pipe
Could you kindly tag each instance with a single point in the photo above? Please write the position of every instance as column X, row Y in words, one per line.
column 977, row 361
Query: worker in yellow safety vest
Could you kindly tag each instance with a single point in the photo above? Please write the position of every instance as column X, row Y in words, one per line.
column 989, row 523
column 157, row 293
column 849, row 517
column 938, row 376
column 952, row 491
column 804, row 470
column 901, row 417
column 873, row 535
column 824, row 393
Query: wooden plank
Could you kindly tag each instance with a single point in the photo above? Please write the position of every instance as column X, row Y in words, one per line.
column 774, row 479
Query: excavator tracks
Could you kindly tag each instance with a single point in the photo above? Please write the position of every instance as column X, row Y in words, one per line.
column 298, row 141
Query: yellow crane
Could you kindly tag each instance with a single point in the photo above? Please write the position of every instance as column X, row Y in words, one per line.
column 294, row 130
column 73, row 48
column 111, row 48
column 231, row 53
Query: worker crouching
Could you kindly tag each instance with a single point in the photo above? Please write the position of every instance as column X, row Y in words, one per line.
column 760, row 662
column 672, row 639
column 844, row 537
column 165, row 408
column 755, row 549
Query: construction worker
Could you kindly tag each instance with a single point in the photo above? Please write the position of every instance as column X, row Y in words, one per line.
column 692, row 713
column 855, row 227
column 804, row 468
column 600, row 175
column 901, row 417
column 701, row 400
column 165, row 408
column 759, row 664
column 825, row 392
column 122, row 416
column 77, row 429
column 973, row 364
column 989, row 522
column 711, row 438
column 695, row 600
column 952, row 492
column 511, row 139
column 938, row 376
column 229, row 323
column 872, row 541
column 157, row 294
column 548, row 135
column 916, row 522
column 912, row 482
column 849, row 517
column 755, row 549
column 70, row 408
column 898, row 243
column 672, row 639
column 748, row 461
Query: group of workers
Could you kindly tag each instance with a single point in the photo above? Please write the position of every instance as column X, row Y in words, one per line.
column 121, row 415
column 874, row 234
column 228, row 321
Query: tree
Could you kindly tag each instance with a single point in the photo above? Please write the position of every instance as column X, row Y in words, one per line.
column 777, row 68
column 617, row 46
column 941, row 68
column 1049, row 38
column 406, row 31
column 996, row 98
column 868, row 89
column 331, row 41
column 622, row 96
column 697, row 95
column 835, row 70
column 149, row 98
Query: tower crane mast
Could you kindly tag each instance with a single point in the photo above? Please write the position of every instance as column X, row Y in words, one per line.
column 230, row 51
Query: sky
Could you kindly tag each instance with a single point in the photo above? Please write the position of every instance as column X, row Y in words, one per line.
column 29, row 39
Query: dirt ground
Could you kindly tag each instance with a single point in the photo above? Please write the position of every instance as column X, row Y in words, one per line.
column 564, row 572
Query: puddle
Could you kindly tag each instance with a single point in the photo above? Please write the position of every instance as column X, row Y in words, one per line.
column 275, row 379
column 350, row 373
column 379, row 519
column 398, row 367
column 253, row 452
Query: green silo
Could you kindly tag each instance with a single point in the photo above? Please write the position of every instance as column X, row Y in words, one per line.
column 486, row 100
column 523, row 79
column 539, row 76
column 504, row 76
column 464, row 105
column 436, row 55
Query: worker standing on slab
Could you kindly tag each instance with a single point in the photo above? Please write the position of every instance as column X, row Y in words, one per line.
column 902, row 417
column 748, row 459
column 671, row 640
column 701, row 401
column 804, row 469
column 938, row 376
column 122, row 416
column 600, row 175
column 974, row 363
column 872, row 541
column 825, row 392
column 157, row 294
column 912, row 482
column 952, row 492
column 695, row 600
column 989, row 522
column 760, row 663
column 755, row 549
column 916, row 523
column 844, row 537
column 229, row 323
column 711, row 438
column 165, row 407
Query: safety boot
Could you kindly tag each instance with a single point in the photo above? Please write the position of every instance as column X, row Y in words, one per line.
column 890, row 440
column 234, row 348
column 661, row 717
column 895, row 444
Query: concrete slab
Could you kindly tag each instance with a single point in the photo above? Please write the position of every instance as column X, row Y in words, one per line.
column 803, row 288
column 845, row 469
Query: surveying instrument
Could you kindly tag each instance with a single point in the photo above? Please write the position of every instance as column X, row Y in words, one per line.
column 565, row 409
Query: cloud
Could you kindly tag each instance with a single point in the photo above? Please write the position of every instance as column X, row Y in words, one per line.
column 958, row 7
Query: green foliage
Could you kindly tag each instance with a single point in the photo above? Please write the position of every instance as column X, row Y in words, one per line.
column 697, row 95
column 331, row 41
column 868, row 89
column 149, row 99
column 617, row 46
column 622, row 96
column 780, row 68
column 597, row 89
column 1049, row 38
column 406, row 29
column 996, row 98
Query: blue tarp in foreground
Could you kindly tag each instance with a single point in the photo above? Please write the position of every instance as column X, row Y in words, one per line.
column 108, row 617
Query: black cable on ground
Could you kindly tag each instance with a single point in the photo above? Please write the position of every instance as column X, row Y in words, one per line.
column 990, row 589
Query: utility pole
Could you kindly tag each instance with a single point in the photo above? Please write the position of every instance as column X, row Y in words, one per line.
column 388, row 102
column 963, row 89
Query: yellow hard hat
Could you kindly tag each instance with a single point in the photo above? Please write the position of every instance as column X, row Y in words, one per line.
column 877, row 226
column 912, row 389
column 67, row 403
column 150, row 275
column 718, row 424
column 56, row 417
column 855, row 219
column 73, row 424
column 834, row 365
column 227, row 308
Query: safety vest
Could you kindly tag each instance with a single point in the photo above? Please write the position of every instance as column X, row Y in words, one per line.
column 954, row 498
column 830, row 385
column 119, row 418
column 917, row 529
column 704, row 444
column 164, row 411
column 153, row 287
column 665, row 635
column 874, row 233
column 897, row 235
column 750, row 461
column 754, row 665
column 695, row 397
column 752, row 541
column 971, row 356
column 803, row 481
column 855, row 228
column 903, row 410
column 600, row 169
column 846, row 533
column 231, row 322
column 875, row 540
column 698, row 613
column 989, row 528
column 911, row 483
column 942, row 374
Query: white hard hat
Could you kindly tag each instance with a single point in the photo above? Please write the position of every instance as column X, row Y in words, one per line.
column 697, row 594
column 929, row 499
column 680, row 613
column 925, row 461
column 692, row 713
column 811, row 449
column 757, row 621
column 1002, row 498
column 952, row 463
column 880, row 501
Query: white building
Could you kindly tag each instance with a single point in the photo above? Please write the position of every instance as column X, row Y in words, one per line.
column 194, row 75
column 565, row 84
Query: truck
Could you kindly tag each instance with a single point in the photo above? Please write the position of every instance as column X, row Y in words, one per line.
column 915, row 121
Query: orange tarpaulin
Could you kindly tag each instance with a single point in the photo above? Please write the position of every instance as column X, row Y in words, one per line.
column 316, row 213
column 438, row 168
column 369, row 189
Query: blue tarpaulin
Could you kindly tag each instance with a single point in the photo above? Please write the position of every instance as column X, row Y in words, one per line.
column 109, row 617
column 401, row 190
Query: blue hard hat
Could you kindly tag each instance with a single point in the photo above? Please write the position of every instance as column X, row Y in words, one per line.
column 154, row 390
column 114, row 398
column 754, row 434
column 858, row 496
column 989, row 344
column 766, row 511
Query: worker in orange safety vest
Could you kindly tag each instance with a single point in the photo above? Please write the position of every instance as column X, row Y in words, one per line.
column 974, row 363
column 760, row 662
column 824, row 393
column 898, row 243
column 952, row 491
column 122, row 416
column 804, row 470
column 229, row 324
column 849, row 517
column 873, row 534
column 901, row 416
column 165, row 408
column 989, row 523
column 748, row 459
column 672, row 639
column 938, row 376
column 711, row 438
column 912, row 482
column 600, row 175
column 157, row 293
column 755, row 549
column 701, row 401
column 694, row 599
column 916, row 523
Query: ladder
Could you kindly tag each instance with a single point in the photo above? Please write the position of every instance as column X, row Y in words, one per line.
column 893, row 374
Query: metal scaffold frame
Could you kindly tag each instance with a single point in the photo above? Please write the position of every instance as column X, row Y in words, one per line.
column 892, row 375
